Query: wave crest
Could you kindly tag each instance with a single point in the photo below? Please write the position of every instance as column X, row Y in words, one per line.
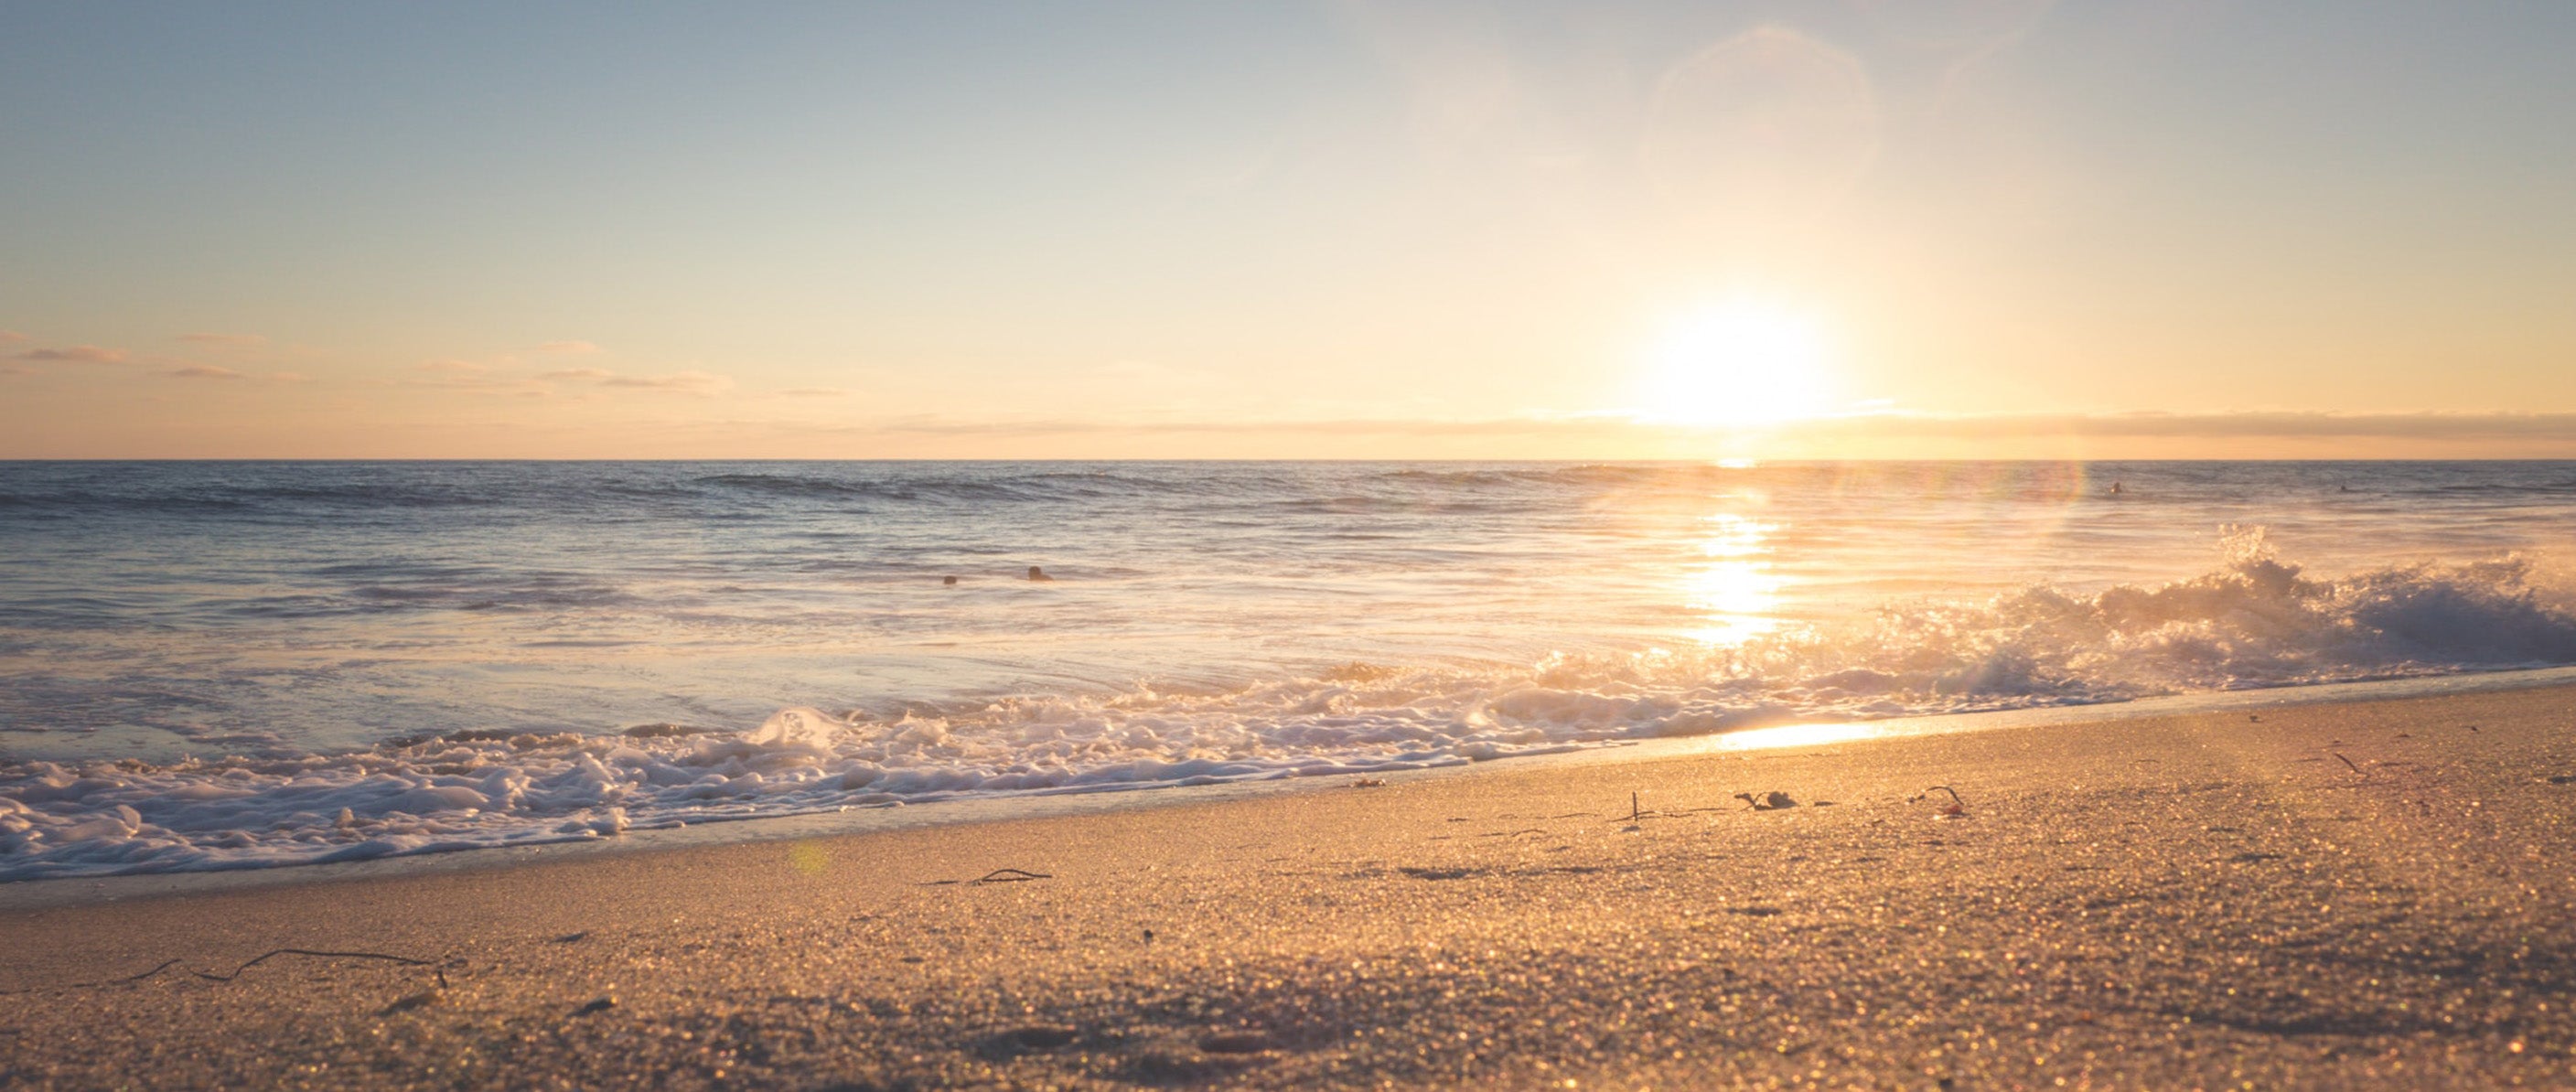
column 2255, row 620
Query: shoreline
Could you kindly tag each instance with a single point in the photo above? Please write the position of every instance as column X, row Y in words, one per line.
column 78, row 890
column 2343, row 892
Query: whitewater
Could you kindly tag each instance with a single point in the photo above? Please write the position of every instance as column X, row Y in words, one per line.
column 234, row 665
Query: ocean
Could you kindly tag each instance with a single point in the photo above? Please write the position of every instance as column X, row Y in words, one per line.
column 208, row 665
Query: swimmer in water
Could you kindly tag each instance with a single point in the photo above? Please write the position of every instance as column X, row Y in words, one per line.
column 1036, row 573
column 948, row 580
column 2115, row 489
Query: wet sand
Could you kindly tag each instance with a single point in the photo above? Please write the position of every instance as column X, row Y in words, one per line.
column 2376, row 892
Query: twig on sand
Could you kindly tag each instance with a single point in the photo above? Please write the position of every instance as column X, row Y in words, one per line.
column 435, row 967
column 998, row 875
column 1635, row 818
column 1637, row 814
column 1955, row 809
column 264, row 957
column 1774, row 800
column 163, row 966
column 2348, row 763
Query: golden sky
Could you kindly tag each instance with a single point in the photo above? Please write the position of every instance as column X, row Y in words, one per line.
column 1859, row 228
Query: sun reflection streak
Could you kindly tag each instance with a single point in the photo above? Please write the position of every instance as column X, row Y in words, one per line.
column 1736, row 591
column 1803, row 735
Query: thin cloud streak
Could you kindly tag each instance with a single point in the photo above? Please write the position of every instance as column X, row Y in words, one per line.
column 2247, row 424
column 2411, row 426
column 77, row 354
column 687, row 382
column 693, row 382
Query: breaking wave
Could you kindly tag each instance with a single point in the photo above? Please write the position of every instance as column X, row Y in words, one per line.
column 2256, row 621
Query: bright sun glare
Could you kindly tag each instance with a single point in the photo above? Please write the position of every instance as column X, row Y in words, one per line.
column 1739, row 363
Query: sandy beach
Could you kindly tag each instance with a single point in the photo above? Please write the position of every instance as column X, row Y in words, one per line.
column 1660, row 544
column 2373, row 892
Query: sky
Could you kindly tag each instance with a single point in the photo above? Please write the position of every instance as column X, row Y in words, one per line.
column 1845, row 228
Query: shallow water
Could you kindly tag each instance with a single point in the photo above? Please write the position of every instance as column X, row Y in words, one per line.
column 208, row 665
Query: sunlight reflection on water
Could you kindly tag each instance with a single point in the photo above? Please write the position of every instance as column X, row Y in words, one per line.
column 1736, row 592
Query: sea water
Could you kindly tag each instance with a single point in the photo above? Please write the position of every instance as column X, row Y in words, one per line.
column 223, row 665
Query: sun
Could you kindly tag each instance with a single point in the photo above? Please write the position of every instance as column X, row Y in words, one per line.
column 1739, row 364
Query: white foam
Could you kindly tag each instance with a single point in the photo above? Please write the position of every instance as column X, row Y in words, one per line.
column 2254, row 622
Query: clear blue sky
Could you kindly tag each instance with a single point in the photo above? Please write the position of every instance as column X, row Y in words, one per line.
column 1226, row 229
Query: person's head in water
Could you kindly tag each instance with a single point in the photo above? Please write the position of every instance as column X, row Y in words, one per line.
column 1036, row 573
column 948, row 580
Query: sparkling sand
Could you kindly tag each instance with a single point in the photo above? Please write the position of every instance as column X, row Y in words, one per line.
column 2371, row 892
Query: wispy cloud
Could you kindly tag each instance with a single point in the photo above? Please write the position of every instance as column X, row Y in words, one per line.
column 78, row 354
column 1514, row 426
column 568, row 348
column 461, row 367
column 210, row 371
column 813, row 392
column 246, row 341
column 689, row 382
column 7, row 336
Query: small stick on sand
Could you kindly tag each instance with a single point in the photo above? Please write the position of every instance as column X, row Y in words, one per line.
column 264, row 957
column 1635, row 818
column 434, row 966
column 998, row 875
column 1957, row 809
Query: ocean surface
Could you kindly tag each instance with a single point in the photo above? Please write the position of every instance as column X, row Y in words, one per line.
column 228, row 665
